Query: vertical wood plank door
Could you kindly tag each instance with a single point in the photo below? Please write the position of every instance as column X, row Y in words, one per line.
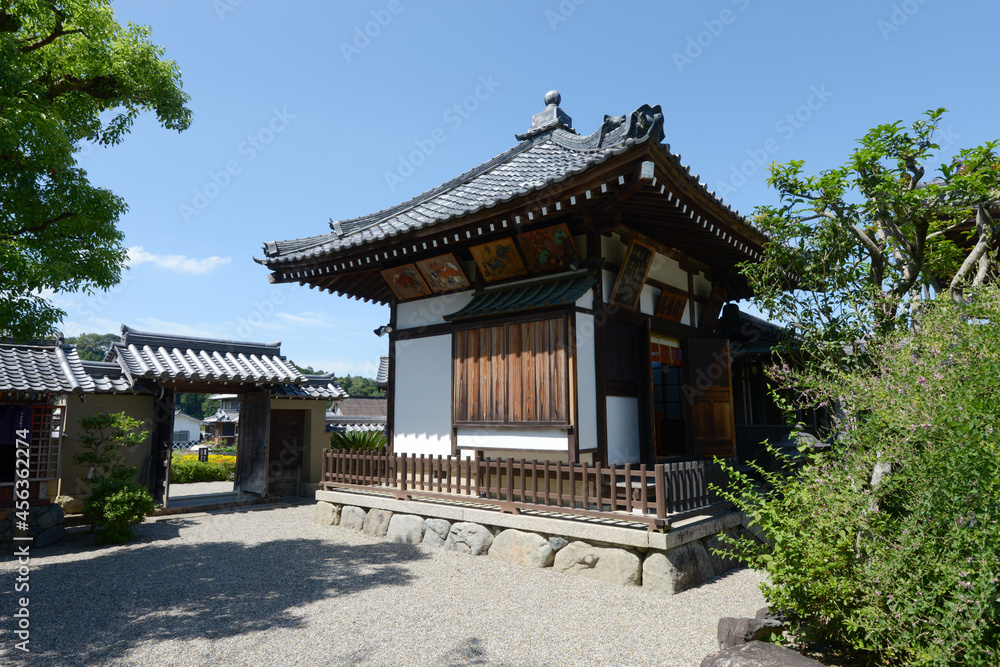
column 286, row 440
column 251, row 452
column 709, row 397
column 162, row 444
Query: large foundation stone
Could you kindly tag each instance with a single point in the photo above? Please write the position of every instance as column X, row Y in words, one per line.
column 529, row 549
column 610, row 564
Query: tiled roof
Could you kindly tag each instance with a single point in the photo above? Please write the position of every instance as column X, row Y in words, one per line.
column 42, row 367
column 225, row 416
column 341, row 423
column 362, row 406
column 108, row 378
column 382, row 378
column 165, row 357
column 314, row 387
column 548, row 154
column 522, row 298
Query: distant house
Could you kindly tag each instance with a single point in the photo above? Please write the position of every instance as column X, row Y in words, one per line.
column 187, row 429
column 362, row 413
column 221, row 426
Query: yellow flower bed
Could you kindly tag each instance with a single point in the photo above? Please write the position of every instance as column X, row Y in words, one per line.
column 212, row 458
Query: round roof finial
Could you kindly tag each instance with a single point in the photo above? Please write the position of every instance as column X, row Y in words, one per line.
column 553, row 97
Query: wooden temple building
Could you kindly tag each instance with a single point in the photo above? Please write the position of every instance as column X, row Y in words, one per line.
column 559, row 301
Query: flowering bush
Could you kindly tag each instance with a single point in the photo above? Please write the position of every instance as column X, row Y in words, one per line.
column 890, row 544
column 186, row 468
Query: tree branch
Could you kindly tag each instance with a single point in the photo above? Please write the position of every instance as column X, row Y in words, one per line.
column 10, row 236
column 56, row 33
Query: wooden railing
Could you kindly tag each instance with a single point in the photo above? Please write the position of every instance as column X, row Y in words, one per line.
column 657, row 495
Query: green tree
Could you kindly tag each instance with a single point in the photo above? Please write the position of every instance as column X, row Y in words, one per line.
column 69, row 73
column 92, row 346
column 901, row 569
column 856, row 249
column 104, row 436
column 356, row 385
column 197, row 405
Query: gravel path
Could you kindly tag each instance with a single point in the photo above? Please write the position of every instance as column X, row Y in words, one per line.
column 199, row 489
column 270, row 587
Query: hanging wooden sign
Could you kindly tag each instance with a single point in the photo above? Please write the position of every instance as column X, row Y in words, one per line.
column 672, row 304
column 406, row 282
column 632, row 274
column 498, row 260
column 443, row 273
column 548, row 248
column 712, row 310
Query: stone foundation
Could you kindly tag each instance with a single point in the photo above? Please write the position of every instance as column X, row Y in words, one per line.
column 45, row 525
column 687, row 564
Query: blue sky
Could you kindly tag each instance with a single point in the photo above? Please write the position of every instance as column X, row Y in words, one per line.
column 308, row 111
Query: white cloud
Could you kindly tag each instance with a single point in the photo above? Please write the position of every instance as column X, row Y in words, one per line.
column 176, row 263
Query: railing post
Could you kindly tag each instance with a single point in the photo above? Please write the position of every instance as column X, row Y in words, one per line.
column 406, row 467
column 509, row 484
column 661, row 491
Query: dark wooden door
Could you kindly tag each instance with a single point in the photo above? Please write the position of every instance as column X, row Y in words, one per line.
column 251, row 452
column 162, row 445
column 286, row 444
column 709, row 396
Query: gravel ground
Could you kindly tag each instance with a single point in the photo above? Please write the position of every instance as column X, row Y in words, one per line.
column 270, row 587
column 199, row 488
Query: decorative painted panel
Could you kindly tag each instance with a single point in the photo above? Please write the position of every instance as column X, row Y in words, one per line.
column 406, row 282
column 498, row 260
column 548, row 248
column 443, row 273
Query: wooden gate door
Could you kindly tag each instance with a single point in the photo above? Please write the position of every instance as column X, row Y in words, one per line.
column 287, row 442
column 251, row 452
column 709, row 396
column 162, row 446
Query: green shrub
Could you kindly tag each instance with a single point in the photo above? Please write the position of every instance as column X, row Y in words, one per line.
column 103, row 436
column 114, row 506
column 902, row 567
column 361, row 440
column 187, row 469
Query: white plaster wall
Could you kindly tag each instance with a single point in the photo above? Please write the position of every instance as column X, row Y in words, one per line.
column 422, row 399
column 648, row 298
column 613, row 249
column 413, row 314
column 586, row 382
column 667, row 270
column 702, row 285
column 586, row 301
column 623, row 429
column 609, row 283
column 535, row 438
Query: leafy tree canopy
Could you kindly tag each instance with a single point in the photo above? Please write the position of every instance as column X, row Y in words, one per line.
column 865, row 243
column 68, row 73
column 92, row 346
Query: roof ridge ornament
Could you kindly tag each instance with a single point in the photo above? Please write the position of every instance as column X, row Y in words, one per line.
column 549, row 118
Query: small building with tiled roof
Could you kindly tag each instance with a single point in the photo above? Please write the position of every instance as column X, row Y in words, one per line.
column 45, row 384
column 558, row 301
column 357, row 413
